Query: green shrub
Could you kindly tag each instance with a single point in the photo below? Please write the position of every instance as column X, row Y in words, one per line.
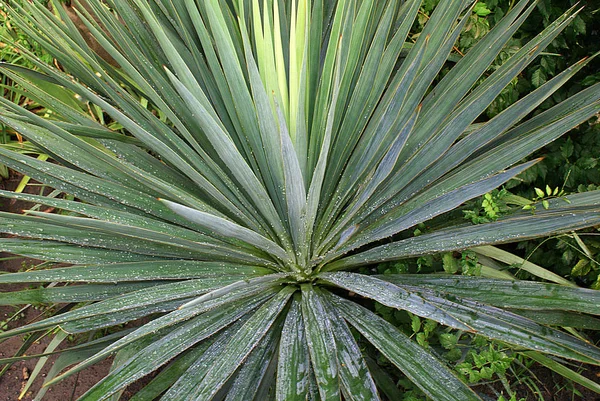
column 294, row 144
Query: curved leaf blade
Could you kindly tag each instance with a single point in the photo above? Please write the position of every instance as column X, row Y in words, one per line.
column 420, row 366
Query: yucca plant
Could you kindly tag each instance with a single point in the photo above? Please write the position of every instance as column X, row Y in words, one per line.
column 268, row 150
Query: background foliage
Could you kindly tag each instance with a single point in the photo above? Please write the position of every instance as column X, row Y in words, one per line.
column 571, row 162
column 570, row 165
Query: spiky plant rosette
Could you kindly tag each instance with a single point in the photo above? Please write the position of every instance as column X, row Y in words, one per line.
column 261, row 153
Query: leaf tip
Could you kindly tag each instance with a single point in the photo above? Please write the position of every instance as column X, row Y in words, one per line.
column 583, row 60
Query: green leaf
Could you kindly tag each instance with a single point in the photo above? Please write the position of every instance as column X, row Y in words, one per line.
column 504, row 230
column 432, row 376
column 141, row 303
column 450, row 264
column 392, row 296
column 123, row 218
column 229, row 154
column 56, row 341
column 506, row 293
column 581, row 268
column 79, row 293
column 538, row 78
column 228, row 229
column 415, row 323
column 160, row 352
column 511, row 259
column 487, row 320
column 111, row 236
column 65, row 360
column 211, row 350
column 418, row 210
column 355, row 377
column 481, row 9
column 383, row 380
column 293, row 362
column 241, row 344
column 321, row 342
column 468, row 145
column 135, row 271
column 539, row 192
column 255, row 372
column 66, row 253
column 560, row 318
column 171, row 373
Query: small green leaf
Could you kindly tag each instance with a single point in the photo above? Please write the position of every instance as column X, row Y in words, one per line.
column 538, row 78
column 448, row 340
column 415, row 323
column 481, row 9
column 539, row 192
column 567, row 149
column 579, row 25
column 450, row 264
column 581, row 268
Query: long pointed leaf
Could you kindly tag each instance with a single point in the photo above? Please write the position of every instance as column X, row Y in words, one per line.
column 321, row 343
column 293, row 363
column 420, row 366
